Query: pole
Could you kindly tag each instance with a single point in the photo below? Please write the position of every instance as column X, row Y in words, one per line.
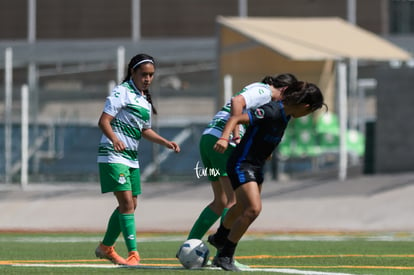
column 120, row 63
column 228, row 87
column 32, row 76
column 351, row 11
column 31, row 21
column 243, row 8
column 353, row 71
column 136, row 20
column 8, row 83
column 343, row 117
column 25, row 137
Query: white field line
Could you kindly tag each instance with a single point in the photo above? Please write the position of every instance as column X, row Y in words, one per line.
column 294, row 271
column 67, row 265
column 270, row 237
column 271, row 270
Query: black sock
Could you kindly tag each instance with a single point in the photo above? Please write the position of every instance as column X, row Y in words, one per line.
column 221, row 234
column 228, row 249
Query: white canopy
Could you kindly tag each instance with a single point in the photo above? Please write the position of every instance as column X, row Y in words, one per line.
column 314, row 38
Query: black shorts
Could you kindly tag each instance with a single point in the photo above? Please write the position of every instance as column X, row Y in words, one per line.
column 242, row 173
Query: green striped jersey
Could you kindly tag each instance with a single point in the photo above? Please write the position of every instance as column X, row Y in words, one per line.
column 132, row 114
column 255, row 95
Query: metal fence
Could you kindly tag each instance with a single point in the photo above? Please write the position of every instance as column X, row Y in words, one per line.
column 67, row 83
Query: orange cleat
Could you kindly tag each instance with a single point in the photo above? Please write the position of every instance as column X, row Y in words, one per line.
column 108, row 252
column 133, row 258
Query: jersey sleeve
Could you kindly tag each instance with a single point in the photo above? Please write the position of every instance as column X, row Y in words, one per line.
column 115, row 101
column 265, row 112
column 147, row 124
column 256, row 95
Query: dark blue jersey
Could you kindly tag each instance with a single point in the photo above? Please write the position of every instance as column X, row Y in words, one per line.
column 265, row 131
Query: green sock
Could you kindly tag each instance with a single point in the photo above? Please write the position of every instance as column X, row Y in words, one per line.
column 113, row 230
column 127, row 222
column 223, row 214
column 206, row 219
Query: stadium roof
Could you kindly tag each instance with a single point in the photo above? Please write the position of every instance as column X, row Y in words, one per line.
column 313, row 38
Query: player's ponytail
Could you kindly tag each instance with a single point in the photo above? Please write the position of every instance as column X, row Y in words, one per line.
column 281, row 80
column 149, row 99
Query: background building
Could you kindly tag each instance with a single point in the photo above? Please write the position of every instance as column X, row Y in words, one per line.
column 85, row 19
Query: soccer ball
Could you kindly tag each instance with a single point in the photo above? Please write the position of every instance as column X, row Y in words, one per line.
column 193, row 253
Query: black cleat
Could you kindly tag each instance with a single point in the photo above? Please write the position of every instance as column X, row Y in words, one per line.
column 226, row 263
column 215, row 262
column 212, row 240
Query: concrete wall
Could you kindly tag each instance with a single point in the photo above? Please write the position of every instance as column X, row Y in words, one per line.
column 394, row 129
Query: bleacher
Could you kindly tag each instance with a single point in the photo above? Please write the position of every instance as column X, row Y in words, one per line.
column 73, row 157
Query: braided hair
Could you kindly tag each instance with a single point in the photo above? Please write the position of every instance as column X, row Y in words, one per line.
column 134, row 64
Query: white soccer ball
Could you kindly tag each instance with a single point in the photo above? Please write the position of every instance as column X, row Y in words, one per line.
column 193, row 253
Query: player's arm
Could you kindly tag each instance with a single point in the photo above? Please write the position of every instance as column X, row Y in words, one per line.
column 223, row 142
column 104, row 124
column 151, row 135
column 238, row 103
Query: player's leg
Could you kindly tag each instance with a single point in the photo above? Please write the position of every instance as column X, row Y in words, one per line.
column 128, row 201
column 127, row 223
column 248, row 195
column 210, row 213
column 220, row 163
column 106, row 248
column 113, row 229
column 229, row 193
column 215, row 167
column 217, row 239
column 247, row 209
column 226, row 222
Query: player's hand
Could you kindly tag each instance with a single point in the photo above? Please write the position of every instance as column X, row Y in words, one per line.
column 221, row 146
column 118, row 145
column 173, row 146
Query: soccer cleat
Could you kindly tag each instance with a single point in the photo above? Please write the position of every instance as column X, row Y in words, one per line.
column 209, row 264
column 212, row 240
column 240, row 265
column 236, row 263
column 227, row 263
column 108, row 252
column 133, row 258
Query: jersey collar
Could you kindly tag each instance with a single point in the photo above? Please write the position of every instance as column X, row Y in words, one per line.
column 137, row 91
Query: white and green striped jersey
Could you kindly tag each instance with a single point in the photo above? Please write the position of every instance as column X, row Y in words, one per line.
column 132, row 114
column 255, row 95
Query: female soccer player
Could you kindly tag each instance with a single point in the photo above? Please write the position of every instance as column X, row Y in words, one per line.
column 251, row 96
column 125, row 119
column 245, row 165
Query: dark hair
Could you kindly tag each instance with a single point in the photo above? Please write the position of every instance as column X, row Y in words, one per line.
column 304, row 93
column 134, row 64
column 281, row 80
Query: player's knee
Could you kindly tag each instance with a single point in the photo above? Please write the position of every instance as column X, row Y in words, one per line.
column 126, row 207
column 252, row 213
column 231, row 200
